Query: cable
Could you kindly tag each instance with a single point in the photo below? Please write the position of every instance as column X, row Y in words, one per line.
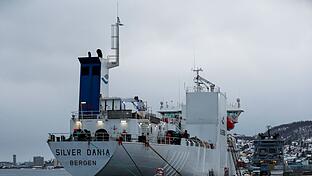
column 165, row 160
column 132, row 159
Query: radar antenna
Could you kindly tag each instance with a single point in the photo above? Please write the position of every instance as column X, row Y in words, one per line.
column 199, row 81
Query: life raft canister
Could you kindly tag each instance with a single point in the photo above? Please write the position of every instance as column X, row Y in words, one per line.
column 229, row 123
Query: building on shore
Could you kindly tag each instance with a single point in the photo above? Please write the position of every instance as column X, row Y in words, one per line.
column 14, row 160
column 38, row 161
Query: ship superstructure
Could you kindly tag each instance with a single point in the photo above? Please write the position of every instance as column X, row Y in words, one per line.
column 119, row 136
column 269, row 155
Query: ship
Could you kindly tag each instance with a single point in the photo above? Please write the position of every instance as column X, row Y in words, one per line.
column 115, row 136
column 269, row 154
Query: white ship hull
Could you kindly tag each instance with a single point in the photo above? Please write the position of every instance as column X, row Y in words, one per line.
column 82, row 158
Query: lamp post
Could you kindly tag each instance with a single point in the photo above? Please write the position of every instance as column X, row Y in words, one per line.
column 82, row 103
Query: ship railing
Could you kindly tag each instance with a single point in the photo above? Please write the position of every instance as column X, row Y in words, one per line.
column 60, row 137
column 202, row 89
column 169, row 140
column 184, row 142
column 57, row 137
column 85, row 114
column 199, row 143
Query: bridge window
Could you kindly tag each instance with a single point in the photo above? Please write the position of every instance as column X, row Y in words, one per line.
column 272, row 150
column 262, row 150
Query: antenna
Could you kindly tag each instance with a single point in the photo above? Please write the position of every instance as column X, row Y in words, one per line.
column 202, row 81
column 117, row 8
column 179, row 94
column 194, row 64
column 197, row 78
column 197, row 70
column 238, row 102
column 269, row 130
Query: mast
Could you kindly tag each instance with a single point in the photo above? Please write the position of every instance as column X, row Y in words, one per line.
column 198, row 86
column 199, row 81
column 114, row 59
column 111, row 61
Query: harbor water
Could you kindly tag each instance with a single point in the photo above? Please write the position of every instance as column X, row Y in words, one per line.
column 33, row 172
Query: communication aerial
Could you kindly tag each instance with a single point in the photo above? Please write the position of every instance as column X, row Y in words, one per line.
column 199, row 81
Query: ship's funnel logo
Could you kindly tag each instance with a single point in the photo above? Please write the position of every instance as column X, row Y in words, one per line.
column 105, row 79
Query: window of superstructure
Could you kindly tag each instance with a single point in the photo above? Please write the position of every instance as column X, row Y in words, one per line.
column 262, row 150
column 272, row 150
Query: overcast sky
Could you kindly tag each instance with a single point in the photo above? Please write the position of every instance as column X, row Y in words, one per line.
column 260, row 51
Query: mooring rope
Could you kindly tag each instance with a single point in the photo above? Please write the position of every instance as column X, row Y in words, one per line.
column 164, row 159
column 132, row 159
